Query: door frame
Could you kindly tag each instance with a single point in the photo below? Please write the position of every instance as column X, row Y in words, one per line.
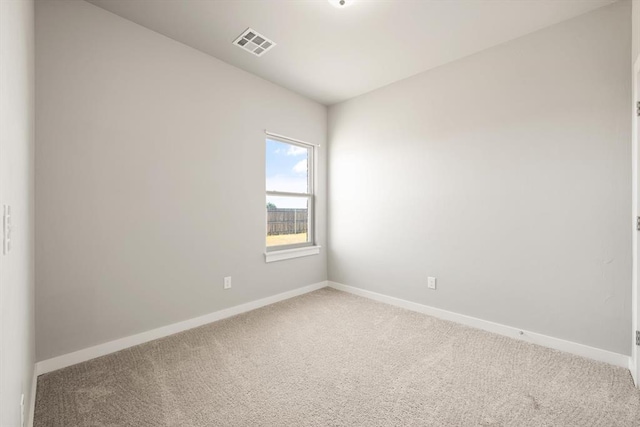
column 634, row 361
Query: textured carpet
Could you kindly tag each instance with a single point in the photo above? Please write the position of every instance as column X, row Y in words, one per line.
column 333, row 359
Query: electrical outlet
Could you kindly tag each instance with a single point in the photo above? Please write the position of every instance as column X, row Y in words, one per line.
column 431, row 283
column 227, row 282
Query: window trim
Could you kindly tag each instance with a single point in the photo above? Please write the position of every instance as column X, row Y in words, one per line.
column 296, row 249
column 283, row 254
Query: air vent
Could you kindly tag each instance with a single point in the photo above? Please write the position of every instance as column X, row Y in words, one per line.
column 254, row 42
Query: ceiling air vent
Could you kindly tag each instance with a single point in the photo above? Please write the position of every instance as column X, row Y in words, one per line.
column 254, row 42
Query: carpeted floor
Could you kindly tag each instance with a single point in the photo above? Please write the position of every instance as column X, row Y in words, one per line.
column 333, row 359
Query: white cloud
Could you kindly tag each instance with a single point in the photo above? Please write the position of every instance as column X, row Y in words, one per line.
column 287, row 184
column 294, row 150
column 301, row 167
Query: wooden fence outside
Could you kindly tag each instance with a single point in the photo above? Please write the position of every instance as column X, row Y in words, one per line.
column 287, row 221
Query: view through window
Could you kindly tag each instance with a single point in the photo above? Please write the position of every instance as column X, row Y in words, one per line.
column 289, row 203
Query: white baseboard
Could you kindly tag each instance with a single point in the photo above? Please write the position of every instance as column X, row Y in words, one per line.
column 600, row 355
column 79, row 356
column 32, row 400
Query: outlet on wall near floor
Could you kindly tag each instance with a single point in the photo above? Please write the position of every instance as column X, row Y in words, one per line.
column 227, row 282
column 431, row 283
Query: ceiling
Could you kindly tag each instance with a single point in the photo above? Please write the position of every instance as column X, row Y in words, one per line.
column 330, row 54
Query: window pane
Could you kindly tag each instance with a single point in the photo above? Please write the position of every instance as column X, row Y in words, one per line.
column 287, row 167
column 287, row 220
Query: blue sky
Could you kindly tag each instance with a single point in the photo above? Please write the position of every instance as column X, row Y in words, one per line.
column 286, row 171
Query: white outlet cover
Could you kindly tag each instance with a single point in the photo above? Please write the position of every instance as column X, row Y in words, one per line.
column 227, row 282
column 431, row 283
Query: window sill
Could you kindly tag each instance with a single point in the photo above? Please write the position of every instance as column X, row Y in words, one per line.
column 291, row 253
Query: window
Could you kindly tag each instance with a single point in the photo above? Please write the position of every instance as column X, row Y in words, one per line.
column 289, row 196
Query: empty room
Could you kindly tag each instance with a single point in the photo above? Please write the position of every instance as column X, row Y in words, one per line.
column 319, row 213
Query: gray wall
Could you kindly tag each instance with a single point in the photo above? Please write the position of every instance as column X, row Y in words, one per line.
column 150, row 180
column 17, row 354
column 506, row 175
column 635, row 30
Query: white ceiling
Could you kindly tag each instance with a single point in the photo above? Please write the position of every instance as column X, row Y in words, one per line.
column 330, row 54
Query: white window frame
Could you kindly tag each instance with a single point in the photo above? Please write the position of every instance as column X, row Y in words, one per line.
column 281, row 252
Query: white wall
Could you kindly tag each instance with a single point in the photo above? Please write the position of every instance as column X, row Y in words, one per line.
column 506, row 175
column 150, row 180
column 17, row 354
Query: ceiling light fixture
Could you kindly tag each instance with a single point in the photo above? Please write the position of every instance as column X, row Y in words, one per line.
column 340, row 3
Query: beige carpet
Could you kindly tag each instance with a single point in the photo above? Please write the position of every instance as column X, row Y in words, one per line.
column 333, row 359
